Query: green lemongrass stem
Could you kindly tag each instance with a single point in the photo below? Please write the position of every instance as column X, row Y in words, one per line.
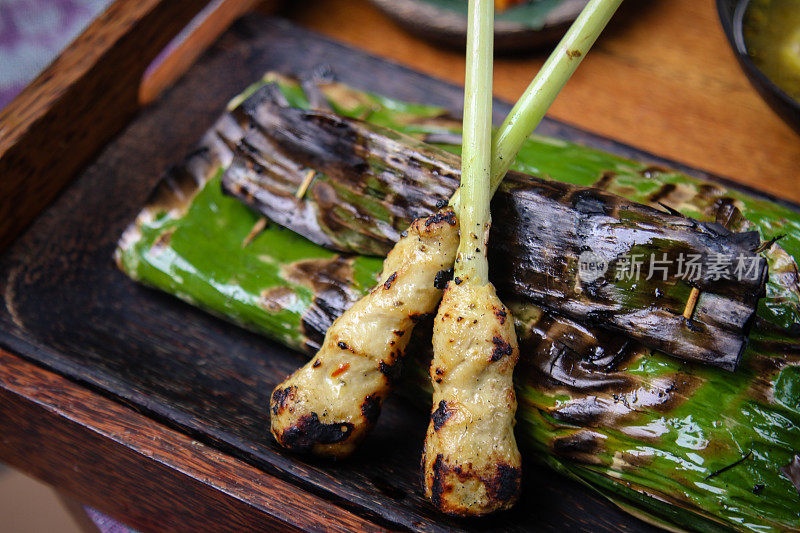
column 474, row 219
column 542, row 91
column 551, row 78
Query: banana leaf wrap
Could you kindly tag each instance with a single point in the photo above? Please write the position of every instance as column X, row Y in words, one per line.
column 370, row 182
column 681, row 444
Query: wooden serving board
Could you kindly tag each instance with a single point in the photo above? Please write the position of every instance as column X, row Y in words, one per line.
column 68, row 308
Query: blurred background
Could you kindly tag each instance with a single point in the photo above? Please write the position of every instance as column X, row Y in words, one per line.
column 33, row 32
column 663, row 77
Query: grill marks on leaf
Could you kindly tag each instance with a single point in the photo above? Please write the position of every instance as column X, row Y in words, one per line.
column 662, row 193
column 582, row 446
column 276, row 299
column 562, row 354
column 342, row 153
column 179, row 186
column 162, row 242
column 330, row 281
column 605, row 179
column 792, row 471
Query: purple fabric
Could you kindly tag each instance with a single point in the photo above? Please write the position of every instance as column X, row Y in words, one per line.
column 33, row 33
column 104, row 523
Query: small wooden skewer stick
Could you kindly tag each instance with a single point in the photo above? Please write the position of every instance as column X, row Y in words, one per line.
column 690, row 305
column 695, row 294
column 258, row 227
column 307, row 179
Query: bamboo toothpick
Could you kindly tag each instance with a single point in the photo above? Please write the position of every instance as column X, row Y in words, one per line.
column 257, row 228
column 307, row 179
column 691, row 304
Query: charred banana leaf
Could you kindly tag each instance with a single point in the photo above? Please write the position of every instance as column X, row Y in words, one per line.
column 684, row 445
column 369, row 182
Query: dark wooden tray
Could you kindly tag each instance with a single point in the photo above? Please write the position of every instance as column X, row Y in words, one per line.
column 68, row 308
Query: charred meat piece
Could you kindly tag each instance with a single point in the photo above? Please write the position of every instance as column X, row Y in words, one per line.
column 471, row 462
column 329, row 405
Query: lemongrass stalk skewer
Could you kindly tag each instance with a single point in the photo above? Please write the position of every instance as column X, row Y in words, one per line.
column 471, row 462
column 329, row 405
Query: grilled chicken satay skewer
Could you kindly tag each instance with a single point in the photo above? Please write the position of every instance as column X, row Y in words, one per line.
column 471, row 462
column 329, row 405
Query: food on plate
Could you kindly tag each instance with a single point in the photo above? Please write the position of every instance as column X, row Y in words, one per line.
column 302, row 416
column 642, row 428
column 595, row 400
column 327, row 406
column 371, row 182
column 471, row 463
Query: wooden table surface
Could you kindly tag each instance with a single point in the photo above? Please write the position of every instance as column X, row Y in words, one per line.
column 662, row 78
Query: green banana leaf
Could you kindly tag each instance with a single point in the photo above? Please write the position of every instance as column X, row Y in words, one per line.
column 679, row 444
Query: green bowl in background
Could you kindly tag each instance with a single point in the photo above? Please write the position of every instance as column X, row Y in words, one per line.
column 528, row 25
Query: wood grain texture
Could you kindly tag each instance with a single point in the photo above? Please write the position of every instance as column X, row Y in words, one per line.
column 77, row 103
column 215, row 19
column 66, row 306
column 140, row 472
column 661, row 78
